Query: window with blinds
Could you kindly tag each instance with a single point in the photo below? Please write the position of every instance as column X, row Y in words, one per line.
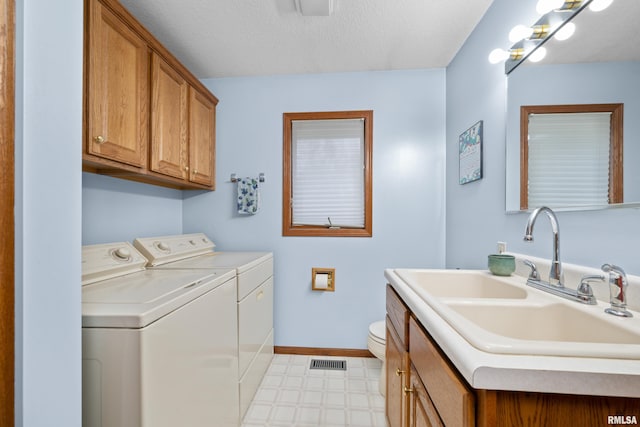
column 327, row 171
column 570, row 159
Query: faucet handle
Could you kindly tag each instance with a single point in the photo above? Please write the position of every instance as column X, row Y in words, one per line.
column 585, row 292
column 617, row 290
column 534, row 275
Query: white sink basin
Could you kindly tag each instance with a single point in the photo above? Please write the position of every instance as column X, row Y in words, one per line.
column 462, row 283
column 554, row 322
column 504, row 315
column 552, row 329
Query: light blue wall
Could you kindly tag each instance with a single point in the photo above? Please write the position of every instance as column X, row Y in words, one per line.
column 476, row 218
column 408, row 199
column 115, row 210
column 48, row 212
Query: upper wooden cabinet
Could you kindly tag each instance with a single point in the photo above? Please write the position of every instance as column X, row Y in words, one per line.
column 117, row 91
column 202, row 128
column 146, row 117
column 168, row 120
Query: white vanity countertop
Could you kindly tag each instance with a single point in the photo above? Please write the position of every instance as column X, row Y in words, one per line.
column 549, row 374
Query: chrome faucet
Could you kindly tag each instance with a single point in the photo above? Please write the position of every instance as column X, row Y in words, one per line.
column 556, row 277
column 555, row 285
column 617, row 291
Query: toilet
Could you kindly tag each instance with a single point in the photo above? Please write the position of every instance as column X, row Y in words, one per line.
column 376, row 343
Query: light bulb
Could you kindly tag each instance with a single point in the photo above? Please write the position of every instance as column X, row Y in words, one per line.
column 546, row 6
column 538, row 54
column 598, row 5
column 520, row 32
column 566, row 31
column 498, row 55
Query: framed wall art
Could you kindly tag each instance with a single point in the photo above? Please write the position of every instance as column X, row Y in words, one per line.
column 470, row 154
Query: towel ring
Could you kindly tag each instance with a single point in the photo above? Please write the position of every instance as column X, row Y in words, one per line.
column 234, row 177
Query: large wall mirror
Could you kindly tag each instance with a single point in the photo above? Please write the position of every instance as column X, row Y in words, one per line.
column 600, row 64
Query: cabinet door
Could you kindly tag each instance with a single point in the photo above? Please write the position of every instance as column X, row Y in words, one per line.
column 397, row 365
column 118, row 89
column 422, row 413
column 398, row 314
column 453, row 398
column 169, row 92
column 202, row 119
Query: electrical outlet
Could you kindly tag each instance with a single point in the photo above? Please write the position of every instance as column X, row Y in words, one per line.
column 502, row 247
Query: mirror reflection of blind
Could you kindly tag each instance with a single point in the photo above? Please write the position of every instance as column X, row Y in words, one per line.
column 569, row 159
column 328, row 172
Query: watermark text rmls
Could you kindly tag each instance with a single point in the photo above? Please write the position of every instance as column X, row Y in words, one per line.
column 622, row 420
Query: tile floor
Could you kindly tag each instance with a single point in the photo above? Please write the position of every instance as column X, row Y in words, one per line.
column 291, row 394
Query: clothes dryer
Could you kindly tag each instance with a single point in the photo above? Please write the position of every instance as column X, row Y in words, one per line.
column 159, row 348
column 254, row 272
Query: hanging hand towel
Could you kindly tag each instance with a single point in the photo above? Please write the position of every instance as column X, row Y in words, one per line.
column 248, row 196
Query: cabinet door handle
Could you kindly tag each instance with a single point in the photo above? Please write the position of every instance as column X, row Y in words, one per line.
column 408, row 390
column 186, row 168
column 99, row 139
column 399, row 372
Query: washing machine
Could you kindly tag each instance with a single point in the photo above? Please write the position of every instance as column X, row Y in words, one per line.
column 159, row 348
column 254, row 273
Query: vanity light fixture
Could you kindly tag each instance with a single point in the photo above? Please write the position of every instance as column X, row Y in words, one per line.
column 546, row 6
column 499, row 55
column 521, row 32
column 566, row 31
column 554, row 22
column 538, row 54
column 599, row 5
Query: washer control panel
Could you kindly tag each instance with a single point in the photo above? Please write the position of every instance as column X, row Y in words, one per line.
column 163, row 249
column 104, row 261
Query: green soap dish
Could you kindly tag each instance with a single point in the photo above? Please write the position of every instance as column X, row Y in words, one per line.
column 501, row 264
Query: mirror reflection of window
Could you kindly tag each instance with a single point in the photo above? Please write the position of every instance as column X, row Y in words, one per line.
column 571, row 155
column 600, row 63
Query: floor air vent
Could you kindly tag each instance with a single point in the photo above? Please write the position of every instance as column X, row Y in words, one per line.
column 337, row 365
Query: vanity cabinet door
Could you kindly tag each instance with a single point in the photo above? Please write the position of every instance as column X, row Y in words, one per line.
column 422, row 412
column 452, row 397
column 397, row 365
column 118, row 93
column 202, row 119
column 168, row 120
column 398, row 315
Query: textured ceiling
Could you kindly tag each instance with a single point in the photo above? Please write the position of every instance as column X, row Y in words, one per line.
column 227, row 38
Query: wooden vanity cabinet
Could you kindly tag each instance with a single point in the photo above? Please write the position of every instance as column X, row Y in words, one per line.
column 436, row 394
column 397, row 361
column 146, row 117
column 422, row 412
column 397, row 365
column 447, row 393
column 514, row 408
column 429, row 391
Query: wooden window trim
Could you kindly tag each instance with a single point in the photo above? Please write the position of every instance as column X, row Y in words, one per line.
column 288, row 229
column 615, row 153
column 7, row 198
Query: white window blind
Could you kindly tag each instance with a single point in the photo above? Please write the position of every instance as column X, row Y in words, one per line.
column 328, row 172
column 568, row 159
